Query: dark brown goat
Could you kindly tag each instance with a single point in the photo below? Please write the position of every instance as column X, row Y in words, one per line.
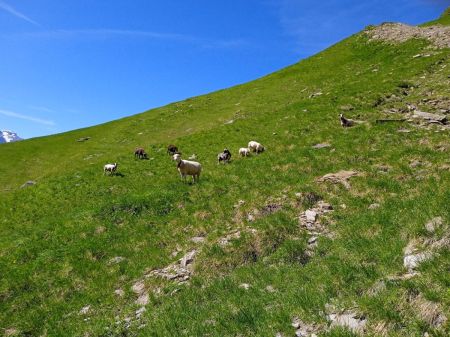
column 140, row 153
column 172, row 149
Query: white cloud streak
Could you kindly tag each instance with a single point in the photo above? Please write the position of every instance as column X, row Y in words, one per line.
column 26, row 117
column 16, row 13
column 125, row 33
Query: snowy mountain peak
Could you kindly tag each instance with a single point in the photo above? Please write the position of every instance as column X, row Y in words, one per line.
column 8, row 136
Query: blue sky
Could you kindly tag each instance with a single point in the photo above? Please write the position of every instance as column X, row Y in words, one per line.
column 75, row 63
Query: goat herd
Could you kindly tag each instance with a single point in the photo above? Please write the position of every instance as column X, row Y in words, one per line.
column 191, row 167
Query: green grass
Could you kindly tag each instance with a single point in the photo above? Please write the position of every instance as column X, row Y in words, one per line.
column 57, row 237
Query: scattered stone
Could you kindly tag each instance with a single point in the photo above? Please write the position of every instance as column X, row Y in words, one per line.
column 239, row 204
column 270, row 208
column 179, row 271
column 138, row 287
column 312, row 240
column 198, row 239
column 353, row 321
column 188, row 258
column 339, row 177
column 100, row 229
column 428, row 311
column 308, row 219
column 377, row 288
column 28, row 183
column 83, row 139
column 175, row 252
column 143, row 299
column 303, row 329
column 250, row 217
column 139, row 312
column 346, row 107
column 270, row 289
column 85, row 310
column 310, row 215
column 415, row 163
column 321, row 146
column 374, row 206
column 231, row 121
column 404, row 130
column 245, row 286
column 226, row 240
column 383, row 168
column 434, row 224
column 119, row 292
column 319, row 93
column 11, row 332
column 116, row 260
column 413, row 259
column 441, row 119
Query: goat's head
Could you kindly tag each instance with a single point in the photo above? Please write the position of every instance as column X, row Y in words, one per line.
column 177, row 157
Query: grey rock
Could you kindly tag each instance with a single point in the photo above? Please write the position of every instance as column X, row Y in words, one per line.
column 28, row 183
column 85, row 310
column 198, row 239
column 434, row 224
column 353, row 321
column 412, row 261
column 116, row 260
column 244, row 286
column 321, row 146
column 430, row 116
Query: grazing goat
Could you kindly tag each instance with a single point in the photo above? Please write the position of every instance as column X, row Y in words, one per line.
column 111, row 168
column 172, row 149
column 345, row 122
column 187, row 168
column 244, row 152
column 140, row 153
column 224, row 157
column 255, row 147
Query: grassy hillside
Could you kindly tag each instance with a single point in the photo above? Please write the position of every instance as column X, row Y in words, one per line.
column 77, row 248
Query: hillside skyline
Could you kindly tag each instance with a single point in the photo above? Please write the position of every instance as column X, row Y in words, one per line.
column 82, row 64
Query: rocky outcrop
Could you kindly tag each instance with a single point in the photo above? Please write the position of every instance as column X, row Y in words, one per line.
column 439, row 36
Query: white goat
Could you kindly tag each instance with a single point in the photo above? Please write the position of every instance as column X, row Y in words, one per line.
column 111, row 168
column 255, row 147
column 244, row 151
column 187, row 167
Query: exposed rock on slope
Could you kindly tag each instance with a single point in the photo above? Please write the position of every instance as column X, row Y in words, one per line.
column 439, row 36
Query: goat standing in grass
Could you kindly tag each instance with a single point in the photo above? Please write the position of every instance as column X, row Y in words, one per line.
column 255, row 147
column 172, row 149
column 244, row 152
column 345, row 122
column 140, row 153
column 111, row 168
column 224, row 157
column 187, row 168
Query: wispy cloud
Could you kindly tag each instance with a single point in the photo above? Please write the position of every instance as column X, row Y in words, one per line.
column 105, row 33
column 41, row 108
column 16, row 13
column 26, row 117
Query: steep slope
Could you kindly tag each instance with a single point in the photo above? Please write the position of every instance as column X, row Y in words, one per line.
column 262, row 246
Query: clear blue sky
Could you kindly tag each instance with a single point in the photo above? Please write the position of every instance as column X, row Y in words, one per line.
column 75, row 63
